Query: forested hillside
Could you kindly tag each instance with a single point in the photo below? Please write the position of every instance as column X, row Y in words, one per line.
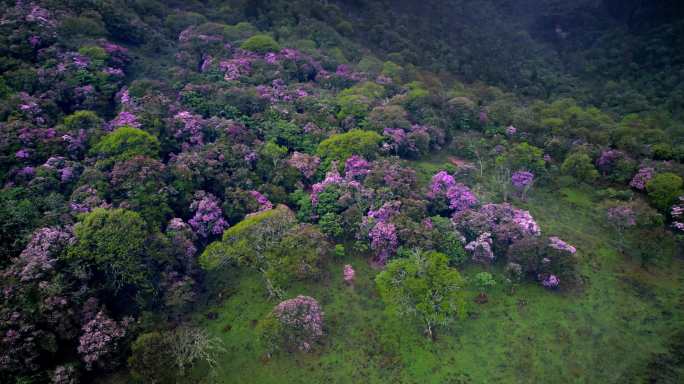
column 270, row 191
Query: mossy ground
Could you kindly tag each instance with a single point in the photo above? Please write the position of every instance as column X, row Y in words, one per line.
column 607, row 331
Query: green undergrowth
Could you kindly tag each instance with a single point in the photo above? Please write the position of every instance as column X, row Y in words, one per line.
column 609, row 330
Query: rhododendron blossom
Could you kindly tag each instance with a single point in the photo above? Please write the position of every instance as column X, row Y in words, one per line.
column 460, row 197
column 622, row 216
column 348, row 274
column 304, row 319
column 124, row 118
column 641, row 178
column 356, row 167
column 481, row 248
column 264, row 203
column 100, row 339
column 677, row 213
column 511, row 130
column 522, row 179
column 40, row 255
column 551, row 282
column 304, row 163
column 190, row 127
column 555, row 242
column 208, row 219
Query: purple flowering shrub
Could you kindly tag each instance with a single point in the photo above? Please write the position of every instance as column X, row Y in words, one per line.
column 677, row 213
column 505, row 223
column 381, row 232
column 208, row 219
column 444, row 186
column 615, row 165
column 348, row 274
column 549, row 261
column 293, row 325
column 522, row 182
column 643, row 176
column 101, row 339
column 304, row 163
column 40, row 255
column 481, row 249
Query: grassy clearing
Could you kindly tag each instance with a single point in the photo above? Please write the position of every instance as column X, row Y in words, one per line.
column 606, row 332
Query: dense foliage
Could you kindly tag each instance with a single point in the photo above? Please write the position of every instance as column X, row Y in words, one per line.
column 154, row 154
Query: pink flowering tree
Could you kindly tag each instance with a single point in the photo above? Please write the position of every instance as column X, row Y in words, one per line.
column 522, row 182
column 549, row 261
column 481, row 249
column 348, row 274
column 458, row 196
column 306, row 164
column 188, row 129
column 621, row 217
column 264, row 203
column 100, row 341
column 294, row 324
column 643, row 176
column 677, row 214
column 208, row 219
column 41, row 254
column 356, row 168
column 381, row 232
column 506, row 224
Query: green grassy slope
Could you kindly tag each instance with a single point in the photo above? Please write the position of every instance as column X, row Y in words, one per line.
column 606, row 332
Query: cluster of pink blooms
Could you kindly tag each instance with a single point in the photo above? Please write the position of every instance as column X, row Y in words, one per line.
column 76, row 143
column 505, row 222
column 304, row 163
column 345, row 72
column 386, row 212
column 511, row 130
column 62, row 166
column 382, row 233
column 124, row 97
column 460, row 196
column 641, row 178
column 190, row 128
column 556, row 243
column 40, row 255
column 397, row 139
column 100, row 338
column 348, row 274
column 235, row 68
column 39, row 15
column 483, row 116
column 182, row 237
column 551, row 281
column 118, row 55
column 23, row 153
column 65, row 374
column 481, row 248
column 208, row 219
column 264, row 203
column 622, row 216
column 84, row 199
column 678, row 215
column 191, row 33
column 116, row 72
column 526, row 222
column 278, row 92
column 304, row 317
column 356, row 167
column 522, row 179
column 608, row 159
column 124, row 118
column 333, row 178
